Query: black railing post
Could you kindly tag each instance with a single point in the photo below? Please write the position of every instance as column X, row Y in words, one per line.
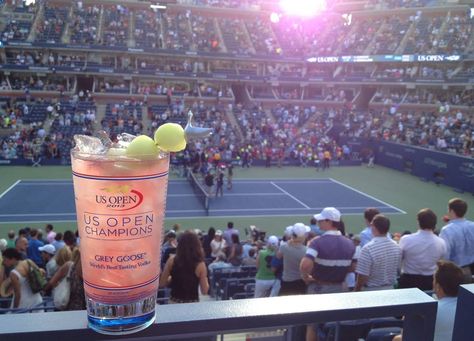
column 464, row 323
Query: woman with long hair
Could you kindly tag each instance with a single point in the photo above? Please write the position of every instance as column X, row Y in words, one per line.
column 206, row 242
column 72, row 269
column 63, row 256
column 185, row 272
column 23, row 296
column 236, row 251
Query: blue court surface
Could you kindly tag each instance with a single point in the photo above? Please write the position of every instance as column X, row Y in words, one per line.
column 53, row 200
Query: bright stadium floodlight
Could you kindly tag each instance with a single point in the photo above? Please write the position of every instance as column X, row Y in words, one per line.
column 157, row 7
column 303, row 8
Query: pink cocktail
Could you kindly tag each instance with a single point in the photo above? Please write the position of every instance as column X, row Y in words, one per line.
column 120, row 204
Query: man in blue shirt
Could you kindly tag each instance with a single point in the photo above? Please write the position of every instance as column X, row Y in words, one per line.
column 366, row 234
column 32, row 251
column 459, row 237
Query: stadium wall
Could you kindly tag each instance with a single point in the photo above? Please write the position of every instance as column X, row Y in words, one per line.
column 441, row 168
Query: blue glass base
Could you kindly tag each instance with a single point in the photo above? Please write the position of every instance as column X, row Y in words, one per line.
column 121, row 326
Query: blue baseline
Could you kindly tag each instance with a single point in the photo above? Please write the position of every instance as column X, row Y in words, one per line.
column 53, row 200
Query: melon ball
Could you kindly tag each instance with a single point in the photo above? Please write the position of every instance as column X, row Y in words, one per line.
column 142, row 146
column 116, row 152
column 170, row 137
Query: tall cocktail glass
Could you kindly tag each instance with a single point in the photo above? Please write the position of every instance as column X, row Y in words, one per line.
column 120, row 205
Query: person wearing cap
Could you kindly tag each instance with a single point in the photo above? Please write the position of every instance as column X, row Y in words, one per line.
column 379, row 260
column 48, row 252
column 292, row 252
column 265, row 279
column 328, row 259
column 218, row 244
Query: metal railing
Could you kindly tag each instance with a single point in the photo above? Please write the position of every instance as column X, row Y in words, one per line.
column 188, row 321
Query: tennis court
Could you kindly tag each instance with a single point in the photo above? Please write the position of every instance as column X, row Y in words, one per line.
column 53, row 200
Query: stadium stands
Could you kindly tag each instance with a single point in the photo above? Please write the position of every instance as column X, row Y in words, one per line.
column 196, row 58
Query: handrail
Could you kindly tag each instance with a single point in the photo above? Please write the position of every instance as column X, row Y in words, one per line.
column 179, row 321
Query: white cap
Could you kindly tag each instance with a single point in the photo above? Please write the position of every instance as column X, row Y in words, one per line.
column 329, row 213
column 273, row 240
column 289, row 230
column 219, row 233
column 3, row 244
column 48, row 248
column 300, row 229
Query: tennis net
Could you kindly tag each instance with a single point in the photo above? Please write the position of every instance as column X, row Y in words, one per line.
column 199, row 191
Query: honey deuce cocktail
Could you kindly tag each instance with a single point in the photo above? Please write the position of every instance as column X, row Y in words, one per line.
column 120, row 192
column 120, row 204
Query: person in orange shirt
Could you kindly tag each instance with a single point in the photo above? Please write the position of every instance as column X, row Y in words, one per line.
column 327, row 159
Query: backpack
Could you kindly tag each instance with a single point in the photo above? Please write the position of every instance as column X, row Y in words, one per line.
column 35, row 278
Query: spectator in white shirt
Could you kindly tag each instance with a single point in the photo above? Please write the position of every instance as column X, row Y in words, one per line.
column 218, row 244
column 420, row 253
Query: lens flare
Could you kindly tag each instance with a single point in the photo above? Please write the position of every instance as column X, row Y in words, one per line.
column 303, row 8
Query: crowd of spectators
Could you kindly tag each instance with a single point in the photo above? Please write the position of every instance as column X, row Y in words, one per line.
column 124, row 117
column 205, row 36
column 43, row 129
column 235, row 37
column 178, row 35
column 16, row 31
column 328, row 35
column 51, row 28
column 116, row 26
column 28, row 82
column 148, row 29
column 434, row 260
column 84, row 24
column 444, row 131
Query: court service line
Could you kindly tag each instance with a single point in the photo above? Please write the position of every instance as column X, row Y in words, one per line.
column 368, row 196
column 231, row 194
column 9, row 189
column 291, row 196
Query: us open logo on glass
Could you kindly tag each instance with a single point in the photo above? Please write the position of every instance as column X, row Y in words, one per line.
column 119, row 197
